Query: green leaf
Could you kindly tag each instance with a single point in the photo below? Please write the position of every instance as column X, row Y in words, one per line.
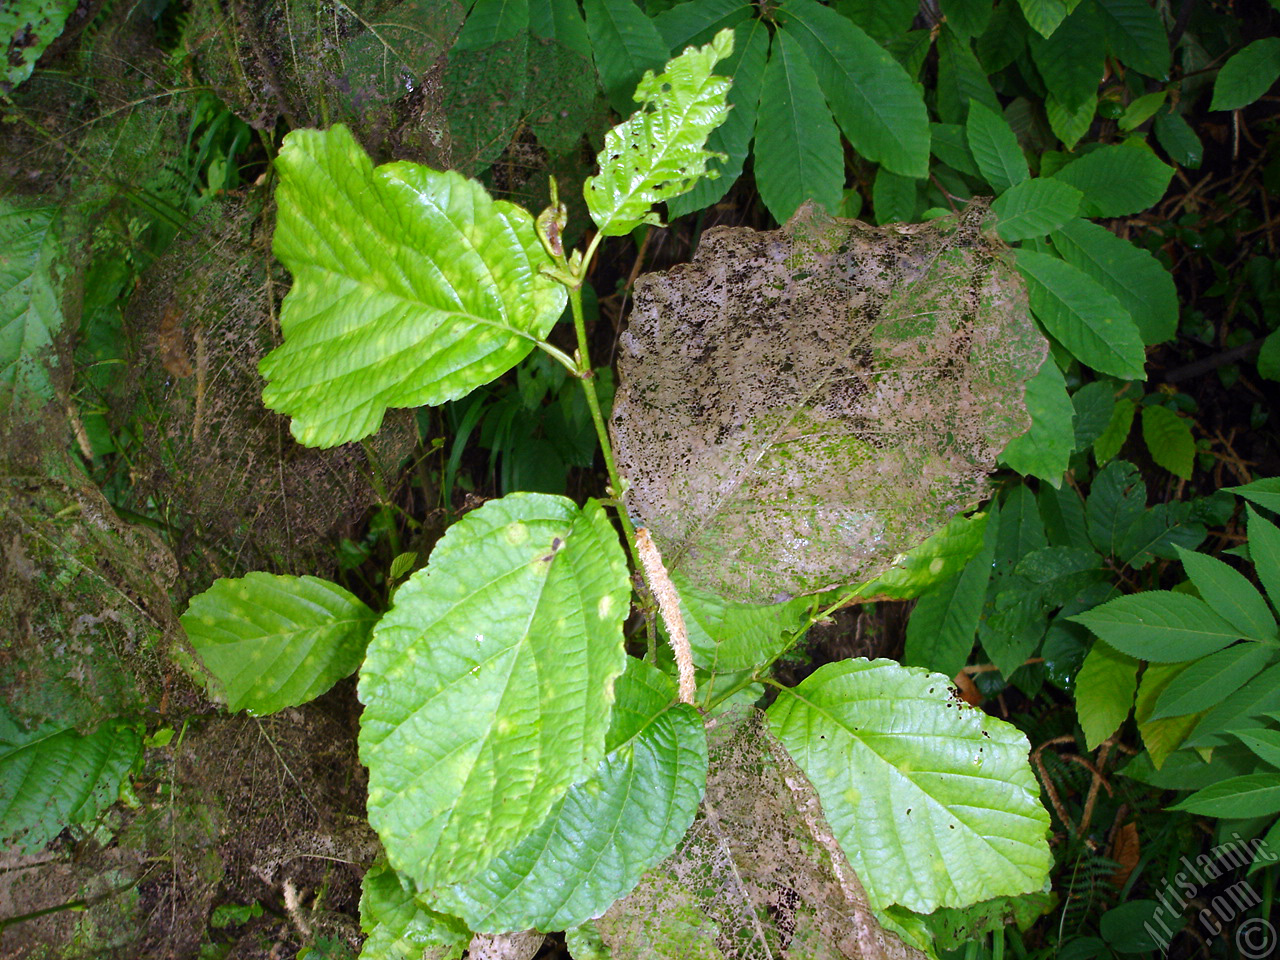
column 272, row 642
column 561, row 21
column 1082, row 316
column 699, row 21
column 1247, row 75
column 943, row 624
column 1255, row 795
column 798, row 155
column 1005, row 38
column 1118, row 180
column 660, row 152
column 626, row 44
column 944, row 554
column 884, row 20
column 27, row 28
column 1265, row 743
column 1135, row 277
column 1178, row 139
column 1136, row 35
column 399, row 927
column 1264, row 550
column 1246, row 710
column 609, row 828
column 1269, row 357
column 1160, row 626
column 485, row 99
column 968, row 18
column 894, row 198
column 1232, row 596
column 1116, row 502
column 1168, row 439
column 1044, row 15
column 1141, row 110
column 1104, row 692
column 727, row 636
column 995, row 148
column 873, row 99
column 1034, row 208
column 745, row 69
column 1046, row 448
column 961, row 79
column 1265, row 493
column 410, row 287
column 488, row 686
column 30, row 303
column 1094, row 404
column 1071, row 61
column 949, row 144
column 493, row 21
column 1068, row 124
column 1186, row 770
column 883, row 743
column 1116, row 433
column 1210, row 680
column 53, row 777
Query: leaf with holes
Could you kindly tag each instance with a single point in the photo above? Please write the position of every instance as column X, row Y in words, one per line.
column 660, row 152
column 272, row 642
column 398, row 926
column 609, row 828
column 488, row 685
column 410, row 287
column 883, row 743
column 53, row 777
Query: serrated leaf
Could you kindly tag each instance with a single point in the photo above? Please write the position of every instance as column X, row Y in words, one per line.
column 950, row 145
column 1210, row 680
column 1136, row 278
column 660, row 152
column 1117, row 430
column 700, row 21
column 1264, row 550
column 30, row 304
column 961, row 79
column 1247, row 75
column 609, row 828
column 1232, row 596
column 1104, row 692
column 1246, row 710
column 968, row 18
column 745, row 69
column 410, row 287
column 1034, row 208
column 1264, row 743
column 1160, row 626
column 1045, row 449
column 561, row 21
column 1254, row 795
column 1168, row 439
column 1265, row 493
column 1117, row 180
column 1005, row 38
column 1082, row 316
column 798, row 156
column 944, row 622
column 1162, row 736
column 1068, row 124
column 880, row 110
column 625, row 44
column 53, row 777
column 1180, row 142
column 1136, row 35
column 894, row 198
column 1071, row 60
column 492, row 677
column 995, row 148
column 1044, row 15
column 1116, row 502
column 727, row 636
column 885, row 743
column 399, row 927
column 272, row 642
column 1094, row 404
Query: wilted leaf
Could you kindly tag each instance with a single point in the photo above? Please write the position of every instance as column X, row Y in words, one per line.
column 797, row 407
